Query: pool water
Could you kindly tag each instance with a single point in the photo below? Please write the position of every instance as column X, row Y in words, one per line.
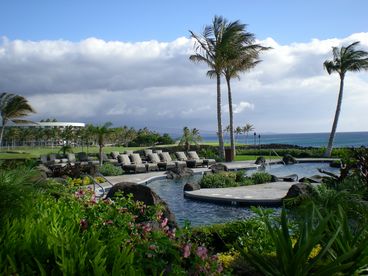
column 301, row 169
column 204, row 213
column 195, row 212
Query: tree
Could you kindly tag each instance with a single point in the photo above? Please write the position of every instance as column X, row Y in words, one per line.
column 13, row 108
column 238, row 130
column 101, row 133
column 344, row 59
column 210, row 47
column 189, row 137
column 241, row 55
column 246, row 129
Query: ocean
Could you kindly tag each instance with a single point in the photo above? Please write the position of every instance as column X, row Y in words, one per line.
column 342, row 139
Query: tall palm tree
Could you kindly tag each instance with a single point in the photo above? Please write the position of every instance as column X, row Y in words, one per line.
column 13, row 108
column 210, row 49
column 238, row 130
column 344, row 59
column 246, row 129
column 101, row 133
column 241, row 55
column 189, row 137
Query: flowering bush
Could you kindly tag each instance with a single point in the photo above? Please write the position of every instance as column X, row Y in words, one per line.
column 78, row 234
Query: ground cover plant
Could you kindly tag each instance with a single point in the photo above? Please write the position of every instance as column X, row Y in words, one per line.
column 233, row 179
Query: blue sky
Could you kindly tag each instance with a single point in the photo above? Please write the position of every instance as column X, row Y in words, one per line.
column 127, row 62
column 165, row 20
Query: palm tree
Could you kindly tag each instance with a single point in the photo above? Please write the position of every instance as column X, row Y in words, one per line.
column 101, row 132
column 210, row 49
column 344, row 59
column 12, row 108
column 241, row 55
column 189, row 137
column 238, row 130
column 246, row 129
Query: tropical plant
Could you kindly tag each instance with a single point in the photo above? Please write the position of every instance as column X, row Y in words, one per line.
column 210, row 47
column 110, row 170
column 238, row 130
column 246, row 129
column 241, row 55
column 101, row 132
column 190, row 136
column 13, row 108
column 345, row 59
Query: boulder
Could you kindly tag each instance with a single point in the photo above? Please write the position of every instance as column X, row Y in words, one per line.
column 44, row 171
column 312, row 179
column 260, row 160
column 215, row 168
column 144, row 194
column 178, row 172
column 288, row 159
column 299, row 190
column 192, row 186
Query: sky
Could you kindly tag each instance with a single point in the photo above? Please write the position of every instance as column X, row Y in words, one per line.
column 127, row 62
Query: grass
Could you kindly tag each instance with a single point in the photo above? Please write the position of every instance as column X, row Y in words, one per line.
column 252, row 157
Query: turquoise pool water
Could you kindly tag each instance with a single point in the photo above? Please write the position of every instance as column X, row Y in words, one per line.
column 203, row 213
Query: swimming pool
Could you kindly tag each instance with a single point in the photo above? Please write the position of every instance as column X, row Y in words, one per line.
column 204, row 213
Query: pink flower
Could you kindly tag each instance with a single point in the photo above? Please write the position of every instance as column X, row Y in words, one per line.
column 79, row 193
column 146, row 227
column 152, row 247
column 164, row 222
column 83, row 224
column 186, row 250
column 202, row 252
column 159, row 215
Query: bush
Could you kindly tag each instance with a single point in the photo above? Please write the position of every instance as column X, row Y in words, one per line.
column 219, row 180
column 108, row 169
column 261, row 177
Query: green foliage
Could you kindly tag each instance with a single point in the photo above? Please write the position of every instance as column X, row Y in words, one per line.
column 108, row 169
column 219, row 180
column 233, row 179
column 261, row 177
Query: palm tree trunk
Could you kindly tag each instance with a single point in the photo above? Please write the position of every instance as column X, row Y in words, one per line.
column 100, row 154
column 230, row 99
column 2, row 133
column 219, row 123
column 336, row 119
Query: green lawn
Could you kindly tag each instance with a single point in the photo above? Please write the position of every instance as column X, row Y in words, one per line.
column 252, row 157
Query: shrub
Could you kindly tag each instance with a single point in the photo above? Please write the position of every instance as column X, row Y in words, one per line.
column 219, row 180
column 261, row 177
column 108, row 169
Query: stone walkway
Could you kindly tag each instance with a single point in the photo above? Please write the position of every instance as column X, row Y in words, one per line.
column 269, row 194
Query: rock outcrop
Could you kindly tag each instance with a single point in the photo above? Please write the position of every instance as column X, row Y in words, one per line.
column 144, row 194
column 178, row 173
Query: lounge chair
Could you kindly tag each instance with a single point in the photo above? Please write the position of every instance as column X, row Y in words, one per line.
column 136, row 159
column 158, row 151
column 114, row 154
column 71, row 158
column 191, row 163
column 147, row 151
column 206, row 162
column 106, row 159
column 154, row 158
column 127, row 165
column 166, row 157
column 84, row 159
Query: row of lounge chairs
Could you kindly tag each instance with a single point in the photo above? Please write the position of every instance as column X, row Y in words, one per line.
column 132, row 162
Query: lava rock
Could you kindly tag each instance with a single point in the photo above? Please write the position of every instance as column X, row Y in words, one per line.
column 215, row 168
column 288, row 159
column 335, row 164
column 192, row 186
column 260, row 160
column 312, row 179
column 178, row 172
column 144, row 194
column 299, row 190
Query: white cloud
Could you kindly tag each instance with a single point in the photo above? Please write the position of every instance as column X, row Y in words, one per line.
column 154, row 84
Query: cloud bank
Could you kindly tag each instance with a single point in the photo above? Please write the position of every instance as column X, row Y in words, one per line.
column 154, row 84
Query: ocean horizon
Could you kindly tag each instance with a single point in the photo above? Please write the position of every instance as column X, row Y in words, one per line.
column 342, row 139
